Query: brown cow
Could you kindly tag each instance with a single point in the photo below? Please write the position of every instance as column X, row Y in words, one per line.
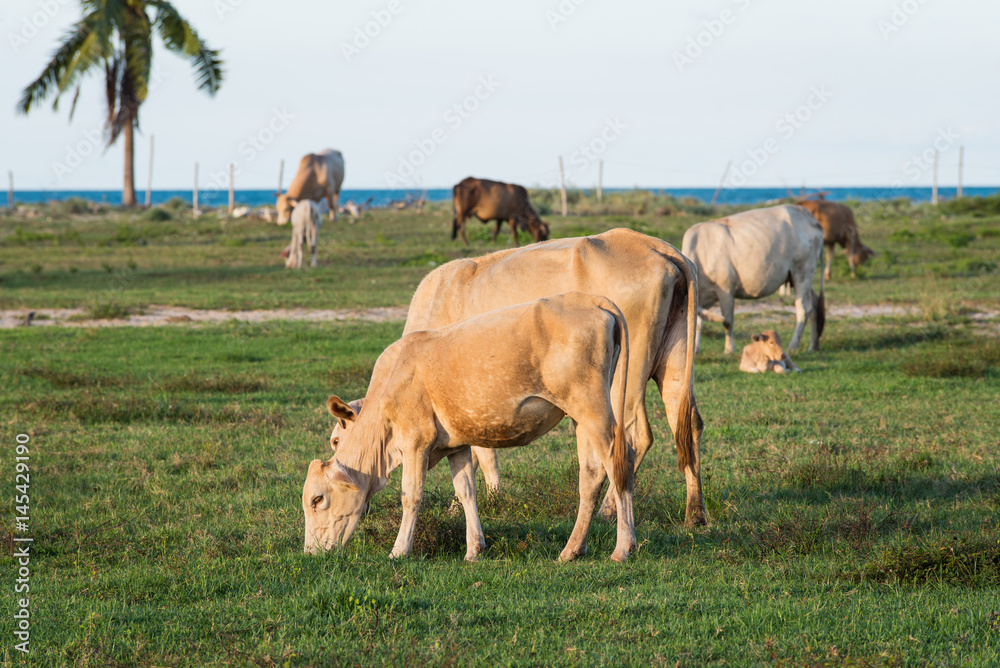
column 320, row 175
column 493, row 200
column 839, row 227
column 766, row 354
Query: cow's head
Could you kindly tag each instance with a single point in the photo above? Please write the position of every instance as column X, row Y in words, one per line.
column 770, row 343
column 285, row 206
column 342, row 429
column 333, row 500
column 861, row 254
column 537, row 228
column 336, row 496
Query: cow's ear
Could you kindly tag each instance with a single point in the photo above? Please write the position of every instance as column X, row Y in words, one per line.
column 340, row 475
column 763, row 337
column 755, row 337
column 340, row 410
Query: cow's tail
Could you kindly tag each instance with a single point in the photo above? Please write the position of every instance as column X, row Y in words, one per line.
column 821, row 300
column 687, row 413
column 621, row 468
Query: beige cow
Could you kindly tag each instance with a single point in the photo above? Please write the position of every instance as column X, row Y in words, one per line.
column 306, row 221
column 750, row 255
column 766, row 354
column 320, row 176
column 435, row 392
column 649, row 281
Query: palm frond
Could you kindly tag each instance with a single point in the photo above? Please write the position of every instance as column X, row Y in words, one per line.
column 49, row 81
column 180, row 37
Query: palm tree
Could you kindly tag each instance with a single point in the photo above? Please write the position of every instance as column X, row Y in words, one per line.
column 116, row 36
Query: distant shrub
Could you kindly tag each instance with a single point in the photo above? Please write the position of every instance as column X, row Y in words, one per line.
column 73, row 206
column 176, row 204
column 22, row 236
column 158, row 215
column 975, row 206
column 957, row 562
column 972, row 360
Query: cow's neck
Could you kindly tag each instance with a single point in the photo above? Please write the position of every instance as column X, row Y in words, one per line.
column 371, row 452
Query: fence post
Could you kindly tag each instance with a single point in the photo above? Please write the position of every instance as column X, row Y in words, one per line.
column 10, row 190
column 281, row 174
column 934, row 194
column 725, row 173
column 600, row 179
column 232, row 201
column 194, row 196
column 961, row 156
column 149, row 182
column 562, row 186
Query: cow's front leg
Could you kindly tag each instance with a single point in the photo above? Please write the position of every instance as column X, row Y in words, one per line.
column 513, row 230
column 463, row 476
column 828, row 270
column 414, row 475
column 496, row 230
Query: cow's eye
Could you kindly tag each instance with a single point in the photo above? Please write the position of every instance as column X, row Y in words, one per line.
column 334, row 442
column 317, row 500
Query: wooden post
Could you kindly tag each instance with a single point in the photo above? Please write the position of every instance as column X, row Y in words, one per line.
column 562, row 186
column 725, row 173
column 232, row 201
column 934, row 196
column 10, row 190
column 149, row 183
column 600, row 179
column 194, row 196
column 961, row 156
column 281, row 174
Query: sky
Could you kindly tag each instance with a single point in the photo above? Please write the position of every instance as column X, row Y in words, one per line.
column 422, row 93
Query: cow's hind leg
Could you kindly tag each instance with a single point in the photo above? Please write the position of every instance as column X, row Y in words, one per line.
column 827, row 272
column 463, row 476
column 640, row 435
column 804, row 307
column 727, row 304
column 513, row 230
column 488, row 460
column 593, row 439
column 669, row 380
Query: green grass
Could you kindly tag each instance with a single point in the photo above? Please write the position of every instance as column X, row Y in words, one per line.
column 854, row 508
column 854, row 514
column 162, row 256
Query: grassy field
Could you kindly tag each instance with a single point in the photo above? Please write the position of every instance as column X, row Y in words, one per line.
column 854, row 508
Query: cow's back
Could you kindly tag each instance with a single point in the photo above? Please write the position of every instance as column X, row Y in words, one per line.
column 837, row 220
column 319, row 173
column 621, row 265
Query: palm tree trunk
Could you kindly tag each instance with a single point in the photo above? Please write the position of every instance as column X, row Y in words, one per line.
column 128, row 190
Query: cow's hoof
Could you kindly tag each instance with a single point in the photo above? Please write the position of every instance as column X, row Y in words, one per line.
column 620, row 556
column 569, row 555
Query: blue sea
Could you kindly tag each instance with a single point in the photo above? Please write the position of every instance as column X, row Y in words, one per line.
column 384, row 197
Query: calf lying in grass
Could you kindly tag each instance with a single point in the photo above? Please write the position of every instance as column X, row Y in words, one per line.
column 766, row 354
column 434, row 393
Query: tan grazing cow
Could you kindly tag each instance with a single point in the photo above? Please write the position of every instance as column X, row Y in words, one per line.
column 750, row 255
column 493, row 200
column 839, row 227
column 649, row 281
column 435, row 392
column 306, row 221
column 320, row 175
column 766, row 354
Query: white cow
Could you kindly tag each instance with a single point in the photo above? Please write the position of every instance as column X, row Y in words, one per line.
column 306, row 221
column 750, row 255
column 319, row 177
